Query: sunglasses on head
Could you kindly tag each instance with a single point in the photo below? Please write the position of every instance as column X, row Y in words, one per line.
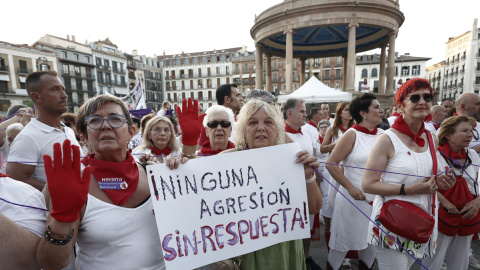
column 416, row 98
column 223, row 124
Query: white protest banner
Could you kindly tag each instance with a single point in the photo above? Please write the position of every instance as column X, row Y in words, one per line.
column 222, row 206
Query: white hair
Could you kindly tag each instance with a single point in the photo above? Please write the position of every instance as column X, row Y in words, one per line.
column 218, row 109
column 16, row 126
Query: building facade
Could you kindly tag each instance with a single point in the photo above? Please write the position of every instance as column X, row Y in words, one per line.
column 152, row 83
column 196, row 75
column 76, row 68
column 16, row 62
column 406, row 67
column 111, row 68
column 434, row 75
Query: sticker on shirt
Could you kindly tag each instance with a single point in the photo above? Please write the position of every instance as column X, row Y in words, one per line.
column 113, row 183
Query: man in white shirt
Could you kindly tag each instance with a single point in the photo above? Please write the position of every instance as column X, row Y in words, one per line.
column 295, row 115
column 326, row 110
column 25, row 160
column 469, row 104
column 365, row 87
column 316, row 115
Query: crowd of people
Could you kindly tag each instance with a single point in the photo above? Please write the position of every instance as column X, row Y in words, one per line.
column 59, row 208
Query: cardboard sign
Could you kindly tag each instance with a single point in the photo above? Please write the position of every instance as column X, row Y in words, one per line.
column 218, row 207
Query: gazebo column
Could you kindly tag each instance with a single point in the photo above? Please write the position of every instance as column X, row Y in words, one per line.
column 381, row 86
column 258, row 67
column 289, row 61
column 302, row 71
column 391, row 61
column 351, row 56
column 269, row 73
column 344, row 80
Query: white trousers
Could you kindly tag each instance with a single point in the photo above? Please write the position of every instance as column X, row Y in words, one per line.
column 452, row 248
column 367, row 255
column 389, row 259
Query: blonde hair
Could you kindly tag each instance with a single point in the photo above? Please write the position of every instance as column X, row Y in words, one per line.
column 147, row 143
column 450, row 124
column 249, row 109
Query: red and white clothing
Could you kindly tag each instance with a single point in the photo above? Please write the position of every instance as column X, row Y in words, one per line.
column 349, row 226
column 312, row 128
column 116, row 237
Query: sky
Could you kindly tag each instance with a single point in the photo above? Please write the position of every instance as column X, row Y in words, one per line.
column 152, row 27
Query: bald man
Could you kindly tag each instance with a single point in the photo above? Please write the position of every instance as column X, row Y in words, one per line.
column 469, row 104
column 439, row 113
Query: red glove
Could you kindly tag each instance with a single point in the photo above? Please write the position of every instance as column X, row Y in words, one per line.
column 190, row 122
column 67, row 186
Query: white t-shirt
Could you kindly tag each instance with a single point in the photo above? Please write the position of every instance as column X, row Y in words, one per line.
column 365, row 88
column 312, row 130
column 306, row 142
column 25, row 206
column 34, row 141
column 162, row 112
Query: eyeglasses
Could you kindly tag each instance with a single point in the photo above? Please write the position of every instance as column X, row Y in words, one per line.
column 416, row 98
column 158, row 130
column 223, row 124
column 96, row 122
column 323, row 127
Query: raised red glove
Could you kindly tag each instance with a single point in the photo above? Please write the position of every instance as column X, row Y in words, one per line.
column 190, row 122
column 67, row 186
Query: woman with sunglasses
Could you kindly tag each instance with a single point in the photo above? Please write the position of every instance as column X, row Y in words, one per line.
column 405, row 150
column 218, row 126
column 158, row 142
column 342, row 122
column 349, row 226
column 458, row 215
column 109, row 213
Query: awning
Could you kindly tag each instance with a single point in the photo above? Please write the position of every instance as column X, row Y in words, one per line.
column 4, row 78
column 253, row 75
column 236, row 76
column 22, row 79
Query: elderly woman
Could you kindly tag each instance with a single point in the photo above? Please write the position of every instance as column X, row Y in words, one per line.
column 407, row 150
column 218, row 126
column 349, row 226
column 109, row 213
column 458, row 214
column 261, row 125
column 158, row 141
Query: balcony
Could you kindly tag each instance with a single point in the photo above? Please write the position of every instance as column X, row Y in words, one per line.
column 24, row 70
column 338, row 76
column 446, row 64
column 4, row 69
column 455, row 73
column 463, row 57
column 446, row 75
column 457, row 60
column 462, row 71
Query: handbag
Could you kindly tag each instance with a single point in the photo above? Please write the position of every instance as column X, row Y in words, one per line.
column 406, row 219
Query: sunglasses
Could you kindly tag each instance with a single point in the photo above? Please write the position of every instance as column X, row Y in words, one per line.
column 416, row 98
column 223, row 124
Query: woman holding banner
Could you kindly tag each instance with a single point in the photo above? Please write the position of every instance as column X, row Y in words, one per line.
column 349, row 226
column 158, row 142
column 409, row 152
column 109, row 213
column 261, row 125
column 458, row 216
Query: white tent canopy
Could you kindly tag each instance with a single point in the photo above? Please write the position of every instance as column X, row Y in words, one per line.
column 314, row 91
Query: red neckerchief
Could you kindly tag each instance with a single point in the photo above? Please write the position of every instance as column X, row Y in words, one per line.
column 206, row 149
column 4, row 175
column 342, row 129
column 365, row 130
column 435, row 125
column 401, row 126
column 320, row 139
column 395, row 114
column 445, row 149
column 455, row 114
column 311, row 123
column 428, row 118
column 291, row 130
column 127, row 170
column 158, row 152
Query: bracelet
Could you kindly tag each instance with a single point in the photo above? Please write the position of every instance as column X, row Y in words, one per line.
column 308, row 181
column 57, row 239
column 402, row 190
column 189, row 156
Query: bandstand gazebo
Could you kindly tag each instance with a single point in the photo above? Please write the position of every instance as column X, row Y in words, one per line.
column 320, row 28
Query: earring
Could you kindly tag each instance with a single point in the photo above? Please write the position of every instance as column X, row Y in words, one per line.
column 365, row 118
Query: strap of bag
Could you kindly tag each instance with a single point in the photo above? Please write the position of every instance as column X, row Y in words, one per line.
column 435, row 164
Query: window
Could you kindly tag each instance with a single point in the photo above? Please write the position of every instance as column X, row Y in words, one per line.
column 327, row 61
column 64, row 54
column 316, row 63
column 106, row 63
column 87, row 59
column 374, row 72
column 396, row 71
column 337, row 73
column 245, row 67
column 327, row 74
column 99, row 61
column 416, row 70
column 4, row 88
column 77, row 70
column 79, row 84
column 75, row 56
column 364, row 73
column 23, row 67
column 100, row 77
column 405, row 70
column 339, row 60
column 327, row 84
column 65, row 69
column 2, row 65
column 44, row 67
column 337, row 85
